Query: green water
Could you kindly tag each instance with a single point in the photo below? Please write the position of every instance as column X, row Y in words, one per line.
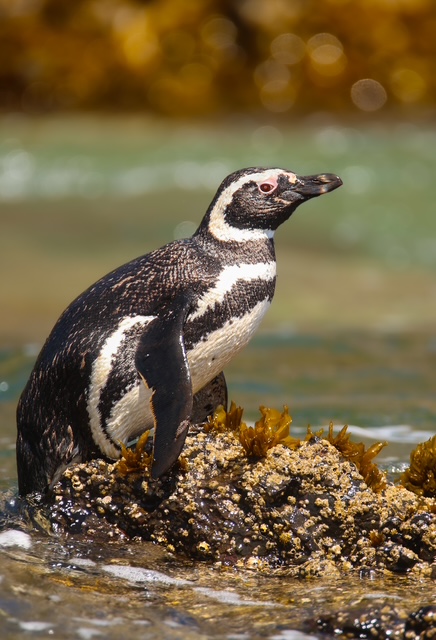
column 385, row 208
column 350, row 338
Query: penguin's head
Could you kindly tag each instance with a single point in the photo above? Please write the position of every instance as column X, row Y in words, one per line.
column 252, row 203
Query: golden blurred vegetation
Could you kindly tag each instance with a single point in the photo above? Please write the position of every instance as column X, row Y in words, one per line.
column 214, row 57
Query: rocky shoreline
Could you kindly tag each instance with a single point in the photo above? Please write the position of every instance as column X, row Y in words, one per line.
column 301, row 506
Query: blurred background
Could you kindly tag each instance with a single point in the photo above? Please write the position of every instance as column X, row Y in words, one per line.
column 119, row 118
column 215, row 58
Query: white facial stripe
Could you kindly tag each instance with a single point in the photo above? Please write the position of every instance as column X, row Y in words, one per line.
column 228, row 278
column 225, row 232
column 99, row 377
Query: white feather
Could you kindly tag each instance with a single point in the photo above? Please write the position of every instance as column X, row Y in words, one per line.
column 99, row 376
column 228, row 278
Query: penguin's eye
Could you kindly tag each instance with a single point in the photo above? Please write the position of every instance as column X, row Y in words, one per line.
column 267, row 187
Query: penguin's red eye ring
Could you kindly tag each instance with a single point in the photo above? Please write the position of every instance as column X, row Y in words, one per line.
column 267, row 187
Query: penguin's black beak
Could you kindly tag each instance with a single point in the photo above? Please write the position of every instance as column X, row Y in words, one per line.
column 313, row 186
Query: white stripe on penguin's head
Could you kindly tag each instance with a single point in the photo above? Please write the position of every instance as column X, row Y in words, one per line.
column 221, row 229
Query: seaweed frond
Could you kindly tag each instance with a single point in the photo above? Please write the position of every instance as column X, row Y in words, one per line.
column 310, row 435
column 376, row 538
column 270, row 430
column 362, row 457
column 135, row 460
column 420, row 477
column 223, row 420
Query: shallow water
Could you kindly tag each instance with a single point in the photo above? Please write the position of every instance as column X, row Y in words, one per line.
column 383, row 384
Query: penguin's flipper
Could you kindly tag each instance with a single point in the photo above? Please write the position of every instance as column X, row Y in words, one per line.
column 162, row 362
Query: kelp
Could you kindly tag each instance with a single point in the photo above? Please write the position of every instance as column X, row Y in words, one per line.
column 362, row 457
column 272, row 429
column 420, row 477
column 222, row 420
column 135, row 460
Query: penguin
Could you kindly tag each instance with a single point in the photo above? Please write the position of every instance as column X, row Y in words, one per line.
column 146, row 345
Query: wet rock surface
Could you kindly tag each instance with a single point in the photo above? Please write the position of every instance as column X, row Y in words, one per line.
column 307, row 510
column 379, row 623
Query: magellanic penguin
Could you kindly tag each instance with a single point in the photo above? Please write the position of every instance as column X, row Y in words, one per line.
column 146, row 345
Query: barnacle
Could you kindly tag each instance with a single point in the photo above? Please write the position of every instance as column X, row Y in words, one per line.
column 270, row 430
column 420, row 477
column 135, row 460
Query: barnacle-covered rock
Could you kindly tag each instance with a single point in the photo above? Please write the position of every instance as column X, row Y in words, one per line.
column 259, row 499
column 378, row 623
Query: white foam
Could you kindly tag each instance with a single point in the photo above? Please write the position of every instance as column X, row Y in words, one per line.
column 401, row 433
column 230, row 597
column 101, row 622
column 15, row 538
column 86, row 634
column 392, row 433
column 83, row 562
column 36, row 625
column 141, row 575
column 293, row 634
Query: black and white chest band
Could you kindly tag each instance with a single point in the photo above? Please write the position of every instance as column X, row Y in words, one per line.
column 222, row 322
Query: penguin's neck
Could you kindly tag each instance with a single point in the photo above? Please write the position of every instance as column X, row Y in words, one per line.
column 214, row 225
column 256, row 247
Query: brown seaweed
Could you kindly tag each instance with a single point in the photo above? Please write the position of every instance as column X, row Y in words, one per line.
column 135, row 460
column 420, row 477
column 362, row 457
column 272, row 429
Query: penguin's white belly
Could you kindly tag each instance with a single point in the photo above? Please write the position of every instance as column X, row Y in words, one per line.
column 131, row 415
column 209, row 357
column 215, row 350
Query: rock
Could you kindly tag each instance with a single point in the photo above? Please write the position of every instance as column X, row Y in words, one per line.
column 378, row 623
column 305, row 508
